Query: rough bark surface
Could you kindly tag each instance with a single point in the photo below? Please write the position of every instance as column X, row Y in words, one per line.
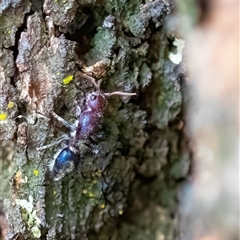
column 127, row 187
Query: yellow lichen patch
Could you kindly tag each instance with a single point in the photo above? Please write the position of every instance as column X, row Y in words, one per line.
column 9, row 31
column 35, row 172
column 3, row 116
column 54, row 192
column 102, row 206
column 67, row 79
column 10, row 105
column 98, row 173
column 91, row 194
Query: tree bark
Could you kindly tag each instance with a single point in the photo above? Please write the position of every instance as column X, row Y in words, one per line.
column 127, row 187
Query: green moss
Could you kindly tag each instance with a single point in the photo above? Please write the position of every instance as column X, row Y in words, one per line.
column 122, row 8
column 102, row 45
column 137, row 24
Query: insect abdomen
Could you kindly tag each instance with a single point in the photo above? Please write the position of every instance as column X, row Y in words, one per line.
column 65, row 162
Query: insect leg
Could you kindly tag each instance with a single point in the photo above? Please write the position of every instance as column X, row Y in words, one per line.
column 64, row 137
column 78, row 110
column 64, row 122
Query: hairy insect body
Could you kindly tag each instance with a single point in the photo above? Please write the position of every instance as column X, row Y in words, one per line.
column 87, row 124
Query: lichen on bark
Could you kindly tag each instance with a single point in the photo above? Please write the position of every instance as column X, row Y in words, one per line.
column 127, row 187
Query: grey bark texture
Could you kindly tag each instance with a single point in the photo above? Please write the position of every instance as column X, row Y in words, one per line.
column 126, row 184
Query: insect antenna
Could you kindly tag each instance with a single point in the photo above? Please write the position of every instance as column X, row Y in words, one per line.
column 92, row 80
column 117, row 93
